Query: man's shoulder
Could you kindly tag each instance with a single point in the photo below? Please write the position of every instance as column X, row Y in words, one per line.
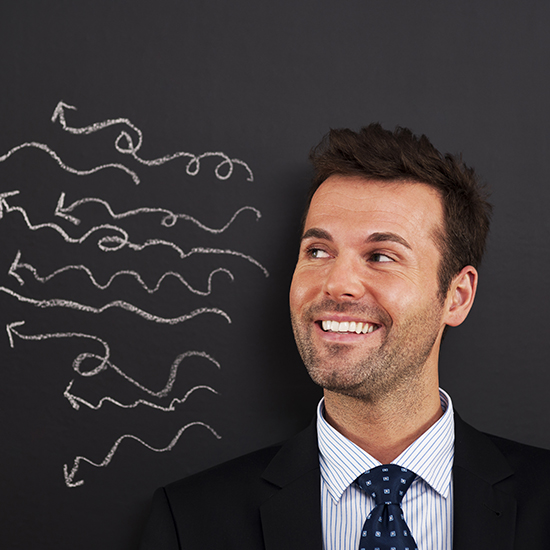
column 254, row 475
column 520, row 454
column 237, row 472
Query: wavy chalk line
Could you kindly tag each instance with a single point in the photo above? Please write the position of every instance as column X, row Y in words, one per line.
column 113, row 243
column 75, row 400
column 69, row 476
column 169, row 220
column 104, row 360
column 17, row 264
column 55, row 156
column 59, row 302
column 192, row 168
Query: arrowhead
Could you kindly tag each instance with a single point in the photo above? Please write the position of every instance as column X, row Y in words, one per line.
column 70, row 397
column 60, row 113
column 61, row 211
column 10, row 331
column 3, row 203
column 13, row 268
column 69, row 477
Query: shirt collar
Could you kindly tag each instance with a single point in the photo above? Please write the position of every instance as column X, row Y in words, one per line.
column 430, row 456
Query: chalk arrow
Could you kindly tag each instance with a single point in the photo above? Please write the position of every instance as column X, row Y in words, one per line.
column 103, row 359
column 69, row 476
column 18, row 265
column 59, row 113
column 169, row 220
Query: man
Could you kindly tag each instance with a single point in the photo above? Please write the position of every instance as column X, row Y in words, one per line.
column 392, row 238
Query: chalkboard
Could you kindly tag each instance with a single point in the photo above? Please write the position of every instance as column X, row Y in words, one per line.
column 153, row 169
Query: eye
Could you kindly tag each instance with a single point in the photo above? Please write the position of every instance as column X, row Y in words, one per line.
column 316, row 253
column 379, row 257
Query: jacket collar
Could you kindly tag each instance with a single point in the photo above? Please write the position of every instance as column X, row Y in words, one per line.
column 291, row 517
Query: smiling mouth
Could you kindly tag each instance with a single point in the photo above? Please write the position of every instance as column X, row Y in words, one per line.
column 348, row 327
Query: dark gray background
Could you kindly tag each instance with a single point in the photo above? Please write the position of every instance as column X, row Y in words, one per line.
column 262, row 82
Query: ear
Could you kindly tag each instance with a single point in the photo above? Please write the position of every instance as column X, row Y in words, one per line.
column 460, row 296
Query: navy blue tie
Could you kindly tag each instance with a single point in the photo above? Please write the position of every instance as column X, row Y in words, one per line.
column 385, row 527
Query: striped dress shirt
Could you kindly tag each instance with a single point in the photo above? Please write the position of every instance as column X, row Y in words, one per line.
column 427, row 505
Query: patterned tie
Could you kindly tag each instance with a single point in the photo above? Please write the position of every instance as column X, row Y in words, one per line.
column 385, row 527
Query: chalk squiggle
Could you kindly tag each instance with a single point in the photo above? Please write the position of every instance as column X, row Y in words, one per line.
column 192, row 168
column 104, row 360
column 75, row 400
column 58, row 302
column 55, row 156
column 69, row 476
column 113, row 243
column 169, row 220
column 17, row 264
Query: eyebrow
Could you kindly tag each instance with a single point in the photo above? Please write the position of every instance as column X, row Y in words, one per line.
column 378, row 237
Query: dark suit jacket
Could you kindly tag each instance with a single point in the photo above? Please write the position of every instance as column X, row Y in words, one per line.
column 270, row 499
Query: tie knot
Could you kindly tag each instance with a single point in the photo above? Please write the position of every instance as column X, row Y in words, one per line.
column 387, row 484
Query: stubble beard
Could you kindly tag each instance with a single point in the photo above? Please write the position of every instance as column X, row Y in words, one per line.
column 395, row 367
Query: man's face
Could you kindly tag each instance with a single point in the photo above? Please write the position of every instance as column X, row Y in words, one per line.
column 364, row 299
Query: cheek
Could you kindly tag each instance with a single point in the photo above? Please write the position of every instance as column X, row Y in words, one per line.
column 302, row 288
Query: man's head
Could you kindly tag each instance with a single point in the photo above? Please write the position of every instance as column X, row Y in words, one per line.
column 369, row 297
column 377, row 154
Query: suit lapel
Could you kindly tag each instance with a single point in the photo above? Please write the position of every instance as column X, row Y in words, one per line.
column 291, row 518
column 484, row 516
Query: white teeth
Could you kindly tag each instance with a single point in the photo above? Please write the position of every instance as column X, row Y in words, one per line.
column 347, row 326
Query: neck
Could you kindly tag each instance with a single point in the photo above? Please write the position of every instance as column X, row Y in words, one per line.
column 384, row 429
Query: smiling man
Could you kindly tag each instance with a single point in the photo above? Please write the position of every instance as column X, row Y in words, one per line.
column 392, row 238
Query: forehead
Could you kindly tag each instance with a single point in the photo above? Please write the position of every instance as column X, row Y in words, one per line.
column 407, row 207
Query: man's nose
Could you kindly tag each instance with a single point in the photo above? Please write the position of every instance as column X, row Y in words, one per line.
column 345, row 280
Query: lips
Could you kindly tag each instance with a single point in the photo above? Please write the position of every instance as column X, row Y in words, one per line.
column 348, row 326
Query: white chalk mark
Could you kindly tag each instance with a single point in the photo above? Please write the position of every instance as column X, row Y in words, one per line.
column 128, row 148
column 104, row 362
column 113, row 243
column 122, row 237
column 59, row 302
column 17, row 264
column 55, row 156
column 104, row 243
column 69, row 476
column 75, row 400
column 59, row 113
column 169, row 220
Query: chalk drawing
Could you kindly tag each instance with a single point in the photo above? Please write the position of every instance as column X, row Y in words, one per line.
column 113, row 243
column 192, row 168
column 17, row 265
column 75, row 400
column 112, row 238
column 69, row 476
column 169, row 220
column 59, row 302
column 104, row 359
column 55, row 156
column 5, row 207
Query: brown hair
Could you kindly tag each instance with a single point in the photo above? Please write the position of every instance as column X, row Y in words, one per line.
column 378, row 154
